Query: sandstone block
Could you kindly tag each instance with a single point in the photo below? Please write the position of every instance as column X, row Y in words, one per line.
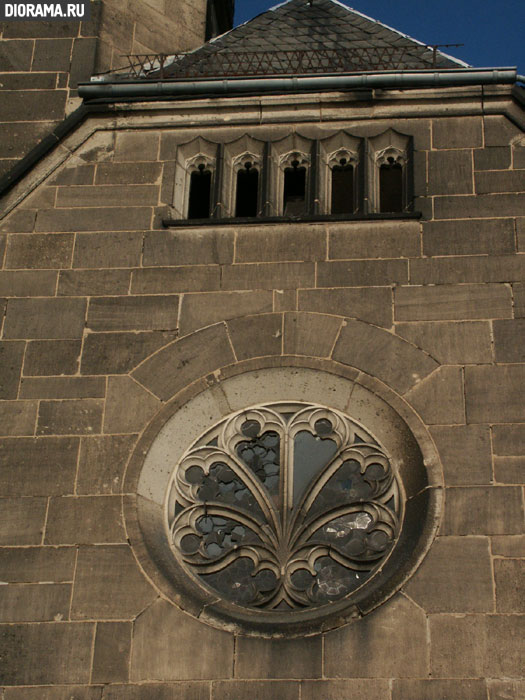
column 181, row 363
column 382, row 355
column 112, row 650
column 51, row 357
column 459, row 342
column 108, row 250
column 45, row 318
column 52, row 55
column 37, row 466
column 465, row 453
column 439, row 399
column 439, row 690
column 166, row 280
column 452, row 302
column 495, row 393
column 510, row 585
column 17, row 417
column 63, row 388
column 76, row 283
column 136, row 146
column 129, row 407
column 511, row 546
column 502, row 181
column 268, row 276
column 492, row 158
column 256, row 336
column 200, row 310
column 273, row 658
column 374, row 240
column 336, row 690
column 168, row 645
column 479, row 206
column 509, row 440
column 503, row 268
column 299, row 242
column 255, row 690
column 160, row 691
column 107, row 195
column 39, row 251
column 11, row 358
column 456, row 576
column 27, row 283
column 20, row 220
column 22, row 521
column 128, row 173
column 34, row 602
column 467, row 237
column 109, row 585
column 509, row 340
column 310, row 334
column 499, row 131
column 457, row 132
column 94, row 219
column 450, row 172
column 70, row 417
column 188, row 247
column 34, row 564
column 41, row 104
column 16, row 55
column 362, row 273
column 373, row 305
column 149, row 313
column 520, row 228
column 118, row 353
column 519, row 300
column 74, row 172
column 509, row 470
column 506, row 690
column 102, row 462
column 85, row 520
column 483, row 510
column 285, row 300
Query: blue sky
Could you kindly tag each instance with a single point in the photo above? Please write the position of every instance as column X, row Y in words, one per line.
column 493, row 31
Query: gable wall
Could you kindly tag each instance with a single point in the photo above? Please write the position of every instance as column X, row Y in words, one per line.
column 91, row 285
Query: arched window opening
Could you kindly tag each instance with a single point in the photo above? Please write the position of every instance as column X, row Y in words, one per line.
column 247, row 191
column 294, row 202
column 391, row 186
column 200, row 194
column 343, row 196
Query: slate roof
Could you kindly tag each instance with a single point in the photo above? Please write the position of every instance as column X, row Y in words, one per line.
column 302, row 37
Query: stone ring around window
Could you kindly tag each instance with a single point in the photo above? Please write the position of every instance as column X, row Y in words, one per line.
column 286, row 516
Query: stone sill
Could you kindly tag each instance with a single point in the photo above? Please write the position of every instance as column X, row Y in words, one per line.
column 306, row 219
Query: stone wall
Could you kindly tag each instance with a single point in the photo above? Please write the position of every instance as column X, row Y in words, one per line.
column 108, row 317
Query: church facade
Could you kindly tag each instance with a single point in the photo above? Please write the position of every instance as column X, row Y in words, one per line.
column 263, row 428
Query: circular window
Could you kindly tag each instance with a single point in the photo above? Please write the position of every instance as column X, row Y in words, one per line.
column 284, row 507
column 284, row 500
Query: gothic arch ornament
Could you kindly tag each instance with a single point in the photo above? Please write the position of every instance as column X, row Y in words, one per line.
column 197, row 451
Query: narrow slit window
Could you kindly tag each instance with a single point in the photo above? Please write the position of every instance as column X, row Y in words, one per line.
column 343, row 197
column 247, row 191
column 391, row 187
column 200, row 194
column 294, row 203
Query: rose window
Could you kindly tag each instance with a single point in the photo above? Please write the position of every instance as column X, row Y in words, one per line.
column 284, row 507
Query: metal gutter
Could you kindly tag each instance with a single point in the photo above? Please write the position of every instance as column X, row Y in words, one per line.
column 118, row 91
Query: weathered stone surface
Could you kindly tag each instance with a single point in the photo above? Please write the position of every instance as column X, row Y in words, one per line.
column 39, row 251
column 109, row 584
column 509, row 340
column 34, row 564
column 22, row 521
column 509, row 470
column 502, row 268
column 255, row 690
column 85, row 520
column 27, row 283
column 16, row 55
column 464, row 237
column 268, row 276
column 439, row 690
column 439, row 398
column 519, row 300
column 93, row 282
column 43, row 105
column 128, row 173
column 19, row 221
column 456, row 576
column 510, row 585
column 166, row 280
column 45, row 318
column 102, row 462
column 93, row 219
column 285, row 300
column 490, row 510
column 465, row 453
column 382, row 355
column 520, row 226
column 11, row 358
column 168, row 645
column 108, row 250
column 37, row 466
column 45, row 654
column 193, row 247
column 136, row 146
column 337, row 690
column 373, row 305
column 362, row 273
column 129, row 407
column 274, row 658
column 457, row 132
column 146, row 691
column 107, row 195
column 479, row 206
column 358, row 649
column 34, row 602
column 71, row 417
column 506, row 690
column 509, row 546
column 118, row 353
column 310, row 334
column 503, row 181
column 199, row 310
column 518, row 154
column 499, row 130
column 374, row 240
column 17, row 417
column 452, row 302
column 493, row 158
column 477, row 646
column 467, row 342
column 301, row 242
column 509, row 440
column 63, row 388
column 181, row 363
column 51, row 357
column 450, row 172
column 256, row 336
column 148, row 313
column 70, row 692
column 495, row 393
column 111, row 654
column 74, row 172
